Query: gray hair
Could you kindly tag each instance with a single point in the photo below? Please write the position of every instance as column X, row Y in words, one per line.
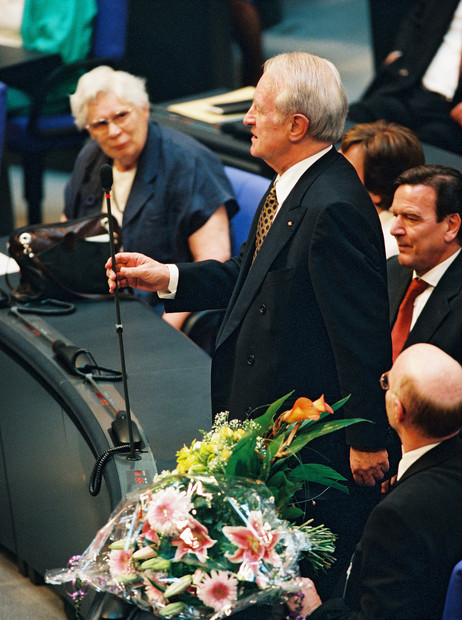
column 311, row 86
column 104, row 79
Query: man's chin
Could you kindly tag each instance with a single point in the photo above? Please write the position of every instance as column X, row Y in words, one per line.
column 405, row 260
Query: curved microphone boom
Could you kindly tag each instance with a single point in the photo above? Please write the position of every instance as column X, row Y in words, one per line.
column 106, row 178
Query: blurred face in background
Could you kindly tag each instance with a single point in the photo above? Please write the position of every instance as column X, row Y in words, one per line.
column 355, row 155
column 119, row 128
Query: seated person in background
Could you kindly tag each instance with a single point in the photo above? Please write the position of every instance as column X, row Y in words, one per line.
column 424, row 280
column 170, row 193
column 380, row 152
column 248, row 32
column 419, row 83
column 412, row 539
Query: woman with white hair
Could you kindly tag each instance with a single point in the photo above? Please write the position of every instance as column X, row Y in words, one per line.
column 170, row 193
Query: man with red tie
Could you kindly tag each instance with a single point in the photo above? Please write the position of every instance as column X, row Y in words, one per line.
column 425, row 279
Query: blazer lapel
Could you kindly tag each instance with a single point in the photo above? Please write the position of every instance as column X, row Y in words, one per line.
column 439, row 304
column 251, row 276
column 285, row 225
column 143, row 184
column 442, row 452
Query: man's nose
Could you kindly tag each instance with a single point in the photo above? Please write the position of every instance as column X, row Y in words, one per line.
column 249, row 117
column 397, row 227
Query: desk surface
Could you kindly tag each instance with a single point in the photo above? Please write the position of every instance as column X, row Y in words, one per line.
column 168, row 375
column 25, row 69
column 235, row 151
column 232, row 150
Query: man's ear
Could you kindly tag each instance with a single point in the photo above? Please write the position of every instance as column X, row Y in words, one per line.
column 299, row 127
column 454, row 223
column 400, row 411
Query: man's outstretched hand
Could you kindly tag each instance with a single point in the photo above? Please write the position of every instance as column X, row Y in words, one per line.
column 137, row 271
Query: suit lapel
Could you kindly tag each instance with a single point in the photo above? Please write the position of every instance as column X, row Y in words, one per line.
column 439, row 304
column 398, row 283
column 442, row 452
column 284, row 227
column 251, row 276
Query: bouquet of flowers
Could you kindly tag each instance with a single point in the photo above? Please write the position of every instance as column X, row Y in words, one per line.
column 217, row 533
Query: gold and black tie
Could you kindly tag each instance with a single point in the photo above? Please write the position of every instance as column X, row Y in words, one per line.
column 266, row 219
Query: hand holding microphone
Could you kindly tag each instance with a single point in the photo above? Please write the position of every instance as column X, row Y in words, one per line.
column 137, row 271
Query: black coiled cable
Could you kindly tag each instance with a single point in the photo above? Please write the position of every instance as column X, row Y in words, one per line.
column 96, row 475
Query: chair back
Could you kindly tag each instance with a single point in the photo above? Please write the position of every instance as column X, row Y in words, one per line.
column 453, row 604
column 110, row 30
column 3, row 91
column 249, row 189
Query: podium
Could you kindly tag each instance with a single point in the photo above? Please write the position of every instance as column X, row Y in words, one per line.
column 54, row 425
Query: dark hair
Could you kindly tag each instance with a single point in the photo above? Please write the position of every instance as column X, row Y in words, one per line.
column 432, row 418
column 447, row 183
column 389, row 149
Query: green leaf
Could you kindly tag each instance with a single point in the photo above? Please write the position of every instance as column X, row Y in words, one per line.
column 304, row 436
column 321, row 474
column 278, row 480
column 265, row 421
column 244, row 460
column 291, row 513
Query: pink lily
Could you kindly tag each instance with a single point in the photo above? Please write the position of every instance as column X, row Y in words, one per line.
column 194, row 538
column 255, row 542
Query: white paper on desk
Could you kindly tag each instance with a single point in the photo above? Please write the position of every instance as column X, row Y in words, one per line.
column 7, row 265
column 198, row 109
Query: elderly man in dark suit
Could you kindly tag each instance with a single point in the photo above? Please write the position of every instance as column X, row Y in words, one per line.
column 413, row 538
column 419, row 83
column 306, row 303
column 425, row 279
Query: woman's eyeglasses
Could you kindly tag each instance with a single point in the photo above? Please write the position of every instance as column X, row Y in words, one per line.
column 101, row 125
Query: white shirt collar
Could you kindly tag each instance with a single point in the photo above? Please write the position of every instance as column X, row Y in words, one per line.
column 287, row 181
column 409, row 458
column 434, row 275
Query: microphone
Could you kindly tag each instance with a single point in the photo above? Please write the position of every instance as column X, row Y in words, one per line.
column 106, row 177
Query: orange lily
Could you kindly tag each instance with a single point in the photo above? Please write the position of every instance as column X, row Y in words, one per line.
column 306, row 409
column 303, row 409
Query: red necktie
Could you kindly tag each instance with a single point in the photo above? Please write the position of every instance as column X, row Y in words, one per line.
column 403, row 321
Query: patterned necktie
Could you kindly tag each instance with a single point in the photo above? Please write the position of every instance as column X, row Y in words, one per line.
column 266, row 219
column 403, row 321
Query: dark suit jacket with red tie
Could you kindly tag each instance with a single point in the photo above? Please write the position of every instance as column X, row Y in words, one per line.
column 440, row 322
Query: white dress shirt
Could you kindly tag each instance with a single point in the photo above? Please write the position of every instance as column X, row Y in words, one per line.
column 442, row 75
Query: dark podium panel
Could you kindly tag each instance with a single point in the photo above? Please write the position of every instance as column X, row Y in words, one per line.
column 54, row 425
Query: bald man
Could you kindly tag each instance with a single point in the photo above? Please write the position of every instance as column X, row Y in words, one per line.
column 413, row 538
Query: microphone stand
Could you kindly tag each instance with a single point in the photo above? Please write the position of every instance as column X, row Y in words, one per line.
column 133, row 456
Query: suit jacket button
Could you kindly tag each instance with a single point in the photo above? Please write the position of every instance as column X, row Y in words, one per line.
column 262, row 309
column 403, row 72
column 251, row 360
